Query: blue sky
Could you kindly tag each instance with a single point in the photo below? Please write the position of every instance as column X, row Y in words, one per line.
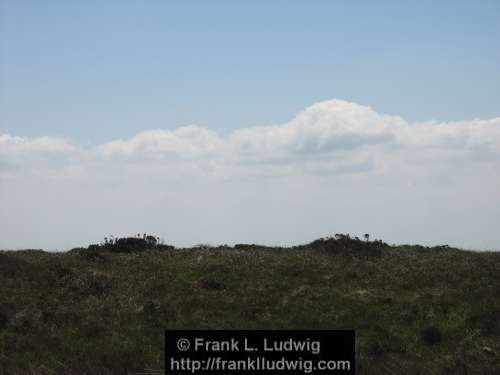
column 274, row 122
column 93, row 70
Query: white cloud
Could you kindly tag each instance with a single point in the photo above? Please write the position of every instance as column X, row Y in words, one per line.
column 336, row 166
column 324, row 127
column 335, row 132
column 15, row 145
column 18, row 152
column 185, row 143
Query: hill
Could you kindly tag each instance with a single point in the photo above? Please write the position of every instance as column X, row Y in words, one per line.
column 103, row 309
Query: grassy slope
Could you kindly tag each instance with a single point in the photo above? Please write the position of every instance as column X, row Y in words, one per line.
column 64, row 309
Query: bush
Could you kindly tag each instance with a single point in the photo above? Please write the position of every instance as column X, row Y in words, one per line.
column 345, row 244
column 123, row 245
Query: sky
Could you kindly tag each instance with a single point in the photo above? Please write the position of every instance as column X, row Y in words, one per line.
column 272, row 122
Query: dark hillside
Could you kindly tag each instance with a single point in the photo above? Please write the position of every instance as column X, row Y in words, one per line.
column 102, row 310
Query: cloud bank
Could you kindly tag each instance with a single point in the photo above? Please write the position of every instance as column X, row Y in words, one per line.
column 331, row 147
column 333, row 133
